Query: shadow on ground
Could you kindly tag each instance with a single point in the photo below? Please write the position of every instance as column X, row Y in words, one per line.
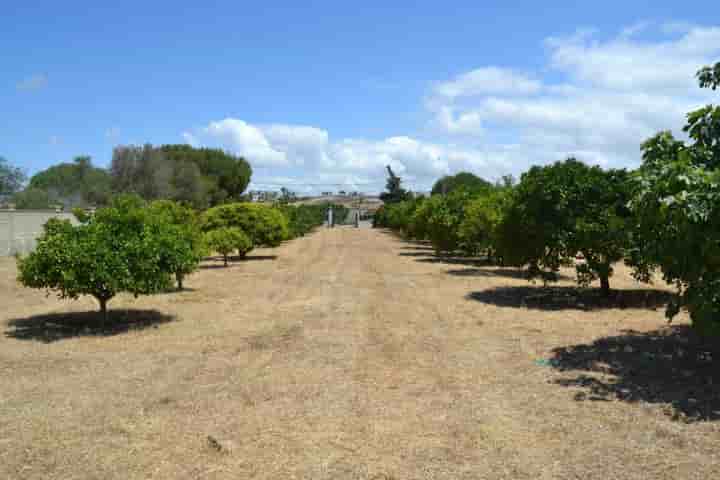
column 52, row 327
column 570, row 298
column 470, row 261
column 672, row 366
column 234, row 260
column 488, row 272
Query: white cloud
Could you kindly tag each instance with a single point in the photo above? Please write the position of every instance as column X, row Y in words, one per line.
column 488, row 80
column 300, row 155
column 32, row 83
column 611, row 95
column 241, row 138
column 596, row 99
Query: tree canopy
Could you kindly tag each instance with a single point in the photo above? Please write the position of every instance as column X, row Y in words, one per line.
column 678, row 210
column 560, row 210
column 200, row 177
column 120, row 248
column 74, row 184
column 463, row 180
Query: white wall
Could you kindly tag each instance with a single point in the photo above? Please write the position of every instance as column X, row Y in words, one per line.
column 20, row 228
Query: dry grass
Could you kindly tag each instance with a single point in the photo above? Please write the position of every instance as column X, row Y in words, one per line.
column 355, row 355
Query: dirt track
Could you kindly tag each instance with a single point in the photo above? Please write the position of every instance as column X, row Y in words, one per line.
column 349, row 354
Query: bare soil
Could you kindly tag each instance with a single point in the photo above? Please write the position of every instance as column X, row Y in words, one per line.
column 351, row 354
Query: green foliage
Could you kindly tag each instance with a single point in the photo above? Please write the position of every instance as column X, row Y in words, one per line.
column 560, row 210
column 463, row 180
column 303, row 218
column 179, row 232
column 11, row 178
column 31, row 199
column 479, row 230
column 119, row 249
column 395, row 193
column 443, row 224
column 265, row 225
column 225, row 240
column 678, row 211
column 72, row 184
column 197, row 176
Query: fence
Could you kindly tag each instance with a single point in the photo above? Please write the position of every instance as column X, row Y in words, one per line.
column 19, row 229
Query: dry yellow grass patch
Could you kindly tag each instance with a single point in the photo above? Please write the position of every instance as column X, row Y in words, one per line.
column 352, row 354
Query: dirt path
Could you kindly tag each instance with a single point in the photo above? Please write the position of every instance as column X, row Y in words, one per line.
column 347, row 354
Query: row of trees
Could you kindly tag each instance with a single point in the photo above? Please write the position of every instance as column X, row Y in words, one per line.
column 663, row 216
column 200, row 177
column 141, row 247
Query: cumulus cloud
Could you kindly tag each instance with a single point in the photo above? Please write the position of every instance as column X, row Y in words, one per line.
column 279, row 152
column 595, row 98
column 612, row 94
column 488, row 80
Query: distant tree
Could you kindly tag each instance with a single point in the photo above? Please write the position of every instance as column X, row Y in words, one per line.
column 115, row 250
column 74, row 184
column 463, row 180
column 31, row 199
column 394, row 192
column 188, row 186
column 141, row 170
column 199, row 176
column 231, row 174
column 11, row 179
column 560, row 210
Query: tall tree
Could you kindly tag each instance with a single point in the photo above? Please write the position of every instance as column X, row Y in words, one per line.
column 395, row 193
column 11, row 178
column 74, row 184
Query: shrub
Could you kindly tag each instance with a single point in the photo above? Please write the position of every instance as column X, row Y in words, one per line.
column 225, row 240
column 265, row 225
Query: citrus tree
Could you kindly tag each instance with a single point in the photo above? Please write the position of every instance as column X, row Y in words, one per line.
column 265, row 225
column 678, row 211
column 179, row 231
column 115, row 250
column 560, row 210
column 225, row 240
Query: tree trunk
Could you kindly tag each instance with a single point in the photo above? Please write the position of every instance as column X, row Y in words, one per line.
column 103, row 310
column 225, row 258
column 605, row 285
column 179, row 278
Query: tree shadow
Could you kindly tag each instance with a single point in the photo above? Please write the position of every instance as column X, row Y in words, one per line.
column 518, row 273
column 672, row 366
column 234, row 260
column 489, row 272
column 452, row 260
column 53, row 327
column 570, row 298
column 173, row 290
column 254, row 258
column 415, row 254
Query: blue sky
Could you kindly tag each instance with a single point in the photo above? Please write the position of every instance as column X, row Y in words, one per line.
column 325, row 92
